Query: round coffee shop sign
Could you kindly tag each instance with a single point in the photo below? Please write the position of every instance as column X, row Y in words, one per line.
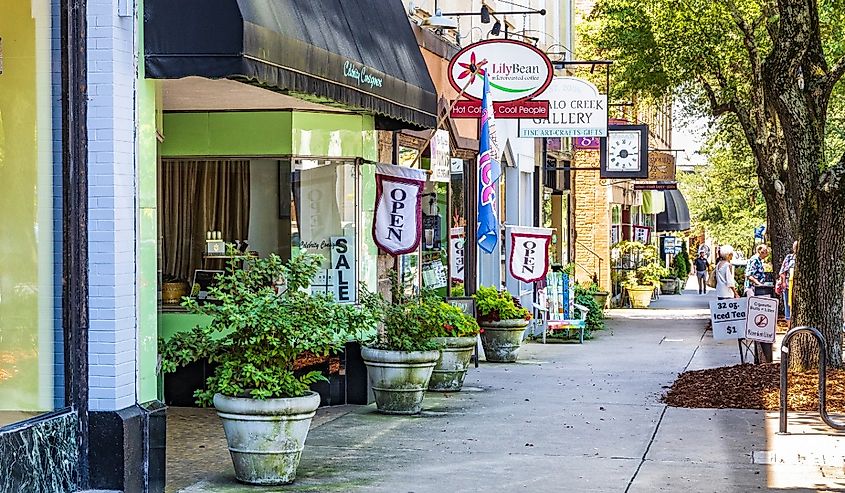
column 517, row 71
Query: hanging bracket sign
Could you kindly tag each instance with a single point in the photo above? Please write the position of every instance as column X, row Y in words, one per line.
column 529, row 253
column 397, row 226
column 517, row 72
column 576, row 109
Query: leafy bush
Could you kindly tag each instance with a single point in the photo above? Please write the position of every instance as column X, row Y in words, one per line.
column 444, row 320
column 646, row 275
column 681, row 265
column 595, row 317
column 403, row 322
column 494, row 306
column 256, row 334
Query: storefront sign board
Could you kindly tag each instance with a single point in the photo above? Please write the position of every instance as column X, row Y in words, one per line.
column 344, row 284
column 661, row 166
column 728, row 318
column 516, row 109
column 441, row 157
column 516, row 71
column 529, row 253
column 397, row 225
column 576, row 109
column 762, row 319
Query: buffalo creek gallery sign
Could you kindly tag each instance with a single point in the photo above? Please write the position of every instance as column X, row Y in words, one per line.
column 397, row 226
column 339, row 279
column 576, row 109
column 517, row 72
column 529, row 252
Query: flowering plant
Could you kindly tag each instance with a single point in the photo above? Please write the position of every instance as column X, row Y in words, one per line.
column 495, row 306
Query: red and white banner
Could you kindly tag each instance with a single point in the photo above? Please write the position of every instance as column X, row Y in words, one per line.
column 397, row 226
column 529, row 252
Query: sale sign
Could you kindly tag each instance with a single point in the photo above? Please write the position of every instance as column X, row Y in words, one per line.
column 728, row 318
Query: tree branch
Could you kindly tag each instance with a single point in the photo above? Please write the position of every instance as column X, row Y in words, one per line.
column 718, row 109
column 748, row 38
column 834, row 74
column 833, row 180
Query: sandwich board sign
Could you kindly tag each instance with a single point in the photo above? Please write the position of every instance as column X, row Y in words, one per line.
column 761, row 320
column 729, row 318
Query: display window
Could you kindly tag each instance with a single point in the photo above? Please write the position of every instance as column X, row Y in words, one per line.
column 31, row 336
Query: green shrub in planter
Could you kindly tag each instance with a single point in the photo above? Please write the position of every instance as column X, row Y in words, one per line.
column 255, row 336
column 503, row 321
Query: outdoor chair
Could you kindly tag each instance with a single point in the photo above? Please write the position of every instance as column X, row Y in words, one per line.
column 554, row 321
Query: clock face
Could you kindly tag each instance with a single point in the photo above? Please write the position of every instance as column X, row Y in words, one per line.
column 623, row 151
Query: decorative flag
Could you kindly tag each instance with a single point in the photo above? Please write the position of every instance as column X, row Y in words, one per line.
column 489, row 172
column 397, row 226
column 529, row 255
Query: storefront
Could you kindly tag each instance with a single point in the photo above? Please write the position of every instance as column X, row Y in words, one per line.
column 271, row 143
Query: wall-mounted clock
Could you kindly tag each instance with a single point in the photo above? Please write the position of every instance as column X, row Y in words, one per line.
column 625, row 153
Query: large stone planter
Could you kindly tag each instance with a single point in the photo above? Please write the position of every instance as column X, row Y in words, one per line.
column 501, row 340
column 600, row 297
column 266, row 437
column 451, row 368
column 399, row 379
column 669, row 286
column 640, row 296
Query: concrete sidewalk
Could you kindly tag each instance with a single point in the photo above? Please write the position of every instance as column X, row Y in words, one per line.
column 572, row 417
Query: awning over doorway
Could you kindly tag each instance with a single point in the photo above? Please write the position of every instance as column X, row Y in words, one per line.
column 356, row 53
column 676, row 215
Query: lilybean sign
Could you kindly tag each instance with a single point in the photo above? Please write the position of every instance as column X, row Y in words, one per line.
column 517, row 71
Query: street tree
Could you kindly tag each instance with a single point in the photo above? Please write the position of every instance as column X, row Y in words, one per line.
column 729, row 176
column 773, row 65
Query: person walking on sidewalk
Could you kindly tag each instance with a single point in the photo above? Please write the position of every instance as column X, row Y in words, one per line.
column 755, row 272
column 725, row 282
column 701, row 265
column 782, row 287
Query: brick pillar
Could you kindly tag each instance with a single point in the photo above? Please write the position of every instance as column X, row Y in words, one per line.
column 591, row 211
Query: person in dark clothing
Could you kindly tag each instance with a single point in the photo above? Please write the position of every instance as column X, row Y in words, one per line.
column 701, row 265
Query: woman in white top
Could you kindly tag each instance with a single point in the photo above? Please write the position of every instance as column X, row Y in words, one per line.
column 725, row 283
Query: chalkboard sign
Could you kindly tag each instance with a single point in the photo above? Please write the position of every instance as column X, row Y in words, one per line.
column 465, row 303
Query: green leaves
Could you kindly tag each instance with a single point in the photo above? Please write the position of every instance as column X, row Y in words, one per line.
column 494, row 305
column 256, row 335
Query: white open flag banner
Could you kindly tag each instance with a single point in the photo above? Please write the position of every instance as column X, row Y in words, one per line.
column 397, row 227
column 529, row 252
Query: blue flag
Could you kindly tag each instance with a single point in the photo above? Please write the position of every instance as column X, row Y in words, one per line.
column 489, row 172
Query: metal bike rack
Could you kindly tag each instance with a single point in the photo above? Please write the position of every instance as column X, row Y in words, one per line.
column 784, row 367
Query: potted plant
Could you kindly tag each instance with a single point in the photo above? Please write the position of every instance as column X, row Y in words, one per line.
column 254, row 339
column 400, row 359
column 593, row 289
column 455, row 332
column 681, row 269
column 641, row 283
column 503, row 321
column 595, row 315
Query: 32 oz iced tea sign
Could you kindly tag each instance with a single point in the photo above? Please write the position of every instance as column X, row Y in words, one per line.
column 728, row 317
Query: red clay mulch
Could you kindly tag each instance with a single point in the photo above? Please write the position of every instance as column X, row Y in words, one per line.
column 307, row 360
column 754, row 387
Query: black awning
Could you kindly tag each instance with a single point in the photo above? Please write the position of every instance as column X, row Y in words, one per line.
column 359, row 53
column 676, row 215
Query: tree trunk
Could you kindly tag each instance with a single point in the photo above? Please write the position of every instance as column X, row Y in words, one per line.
column 779, row 226
column 819, row 276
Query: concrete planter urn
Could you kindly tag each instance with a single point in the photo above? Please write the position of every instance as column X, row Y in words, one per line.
column 452, row 366
column 640, row 296
column 669, row 285
column 266, row 437
column 600, row 297
column 501, row 340
column 399, row 378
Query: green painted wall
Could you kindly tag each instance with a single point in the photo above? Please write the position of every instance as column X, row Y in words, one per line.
column 269, row 133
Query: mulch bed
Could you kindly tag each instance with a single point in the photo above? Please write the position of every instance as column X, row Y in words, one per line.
column 754, row 387
column 308, row 360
